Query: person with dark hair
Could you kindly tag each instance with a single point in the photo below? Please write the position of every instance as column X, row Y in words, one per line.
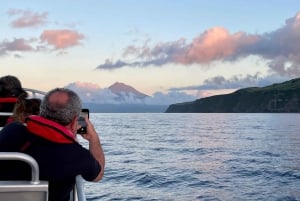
column 50, row 138
column 10, row 90
column 24, row 108
column 10, row 86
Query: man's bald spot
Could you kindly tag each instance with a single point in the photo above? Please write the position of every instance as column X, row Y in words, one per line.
column 58, row 98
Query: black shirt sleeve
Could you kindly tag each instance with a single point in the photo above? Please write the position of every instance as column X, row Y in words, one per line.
column 89, row 166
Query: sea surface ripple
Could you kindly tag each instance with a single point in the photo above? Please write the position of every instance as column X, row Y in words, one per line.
column 210, row 157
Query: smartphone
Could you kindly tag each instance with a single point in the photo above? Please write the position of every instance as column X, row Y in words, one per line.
column 81, row 120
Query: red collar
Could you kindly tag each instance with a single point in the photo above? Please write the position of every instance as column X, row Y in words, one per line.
column 8, row 100
column 49, row 130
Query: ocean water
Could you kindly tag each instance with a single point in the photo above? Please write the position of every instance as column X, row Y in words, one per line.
column 206, row 157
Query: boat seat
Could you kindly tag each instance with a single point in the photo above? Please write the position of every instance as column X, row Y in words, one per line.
column 34, row 190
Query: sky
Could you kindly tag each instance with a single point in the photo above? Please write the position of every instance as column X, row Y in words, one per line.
column 188, row 48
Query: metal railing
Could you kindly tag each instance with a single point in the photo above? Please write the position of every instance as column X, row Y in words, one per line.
column 34, row 92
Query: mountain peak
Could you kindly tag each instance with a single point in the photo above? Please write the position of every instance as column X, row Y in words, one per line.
column 119, row 87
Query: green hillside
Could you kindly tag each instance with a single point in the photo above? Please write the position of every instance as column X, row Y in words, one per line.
column 282, row 97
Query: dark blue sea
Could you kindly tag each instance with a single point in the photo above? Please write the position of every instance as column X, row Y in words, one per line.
column 210, row 157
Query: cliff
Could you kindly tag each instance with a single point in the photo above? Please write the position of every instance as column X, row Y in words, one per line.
column 283, row 97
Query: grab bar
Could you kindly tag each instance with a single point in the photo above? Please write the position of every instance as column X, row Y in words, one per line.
column 26, row 158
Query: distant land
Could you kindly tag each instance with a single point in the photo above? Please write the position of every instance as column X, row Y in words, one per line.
column 122, row 99
column 276, row 98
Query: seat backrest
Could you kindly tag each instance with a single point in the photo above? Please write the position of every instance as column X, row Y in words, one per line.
column 34, row 190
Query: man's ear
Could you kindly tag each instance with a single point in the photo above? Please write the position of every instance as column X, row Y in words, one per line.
column 74, row 125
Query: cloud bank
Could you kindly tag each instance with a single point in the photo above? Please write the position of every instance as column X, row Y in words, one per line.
column 234, row 82
column 93, row 93
column 280, row 48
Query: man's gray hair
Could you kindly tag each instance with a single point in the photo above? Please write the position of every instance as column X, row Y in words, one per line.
column 61, row 112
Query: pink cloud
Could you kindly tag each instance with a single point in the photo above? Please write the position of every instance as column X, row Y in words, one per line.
column 27, row 18
column 215, row 44
column 61, row 39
